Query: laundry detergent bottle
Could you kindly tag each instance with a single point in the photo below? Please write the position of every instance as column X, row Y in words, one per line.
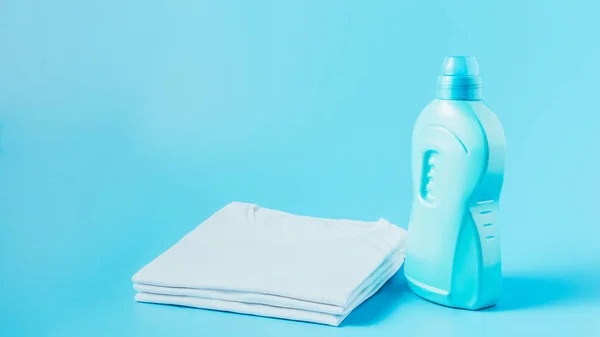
column 458, row 150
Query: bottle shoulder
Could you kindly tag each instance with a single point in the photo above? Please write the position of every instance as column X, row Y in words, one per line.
column 450, row 111
column 458, row 117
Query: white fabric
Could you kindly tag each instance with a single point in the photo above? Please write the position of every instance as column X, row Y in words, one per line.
column 258, row 261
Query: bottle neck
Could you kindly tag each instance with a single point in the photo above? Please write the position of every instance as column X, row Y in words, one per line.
column 466, row 88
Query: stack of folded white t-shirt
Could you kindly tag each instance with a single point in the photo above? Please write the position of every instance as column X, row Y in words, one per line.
column 258, row 261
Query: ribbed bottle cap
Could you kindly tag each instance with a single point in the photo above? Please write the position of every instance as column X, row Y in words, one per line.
column 459, row 79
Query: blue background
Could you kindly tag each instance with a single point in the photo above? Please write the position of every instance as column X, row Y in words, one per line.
column 127, row 123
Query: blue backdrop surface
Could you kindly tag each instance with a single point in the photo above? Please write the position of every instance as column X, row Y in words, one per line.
column 127, row 123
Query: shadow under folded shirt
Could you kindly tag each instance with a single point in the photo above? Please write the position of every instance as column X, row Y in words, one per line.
column 258, row 261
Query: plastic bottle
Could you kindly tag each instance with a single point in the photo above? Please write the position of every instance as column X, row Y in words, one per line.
column 458, row 151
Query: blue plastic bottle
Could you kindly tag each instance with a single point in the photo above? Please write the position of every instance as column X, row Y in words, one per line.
column 458, row 149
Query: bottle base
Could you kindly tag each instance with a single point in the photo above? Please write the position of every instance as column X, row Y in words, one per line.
column 442, row 297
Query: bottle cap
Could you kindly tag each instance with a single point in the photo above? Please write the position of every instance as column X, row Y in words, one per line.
column 460, row 79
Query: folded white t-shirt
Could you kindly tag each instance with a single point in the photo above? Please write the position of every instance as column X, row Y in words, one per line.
column 259, row 261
